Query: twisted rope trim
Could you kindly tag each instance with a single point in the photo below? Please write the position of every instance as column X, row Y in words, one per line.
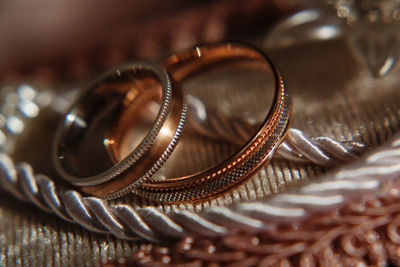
column 150, row 223
column 362, row 233
column 323, row 151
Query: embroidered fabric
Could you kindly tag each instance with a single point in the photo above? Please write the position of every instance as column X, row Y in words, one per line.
column 363, row 233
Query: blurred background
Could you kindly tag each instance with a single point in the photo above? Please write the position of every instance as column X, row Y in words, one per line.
column 66, row 40
column 74, row 39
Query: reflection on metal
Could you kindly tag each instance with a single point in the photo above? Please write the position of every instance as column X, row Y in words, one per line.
column 371, row 26
column 153, row 224
column 324, row 194
column 305, row 26
column 326, row 32
column 73, row 119
column 374, row 31
column 2, row 138
column 18, row 105
column 386, row 11
column 15, row 125
column 26, row 92
column 376, row 45
column 28, row 108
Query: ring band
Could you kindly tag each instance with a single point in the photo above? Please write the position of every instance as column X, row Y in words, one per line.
column 114, row 91
column 251, row 157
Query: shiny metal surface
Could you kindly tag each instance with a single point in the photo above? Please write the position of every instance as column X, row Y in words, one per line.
column 255, row 151
column 81, row 139
column 129, row 222
column 333, row 96
column 20, row 105
column 304, row 26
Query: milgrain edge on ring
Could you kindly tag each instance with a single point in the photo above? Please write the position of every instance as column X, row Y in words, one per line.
column 147, row 157
column 236, row 169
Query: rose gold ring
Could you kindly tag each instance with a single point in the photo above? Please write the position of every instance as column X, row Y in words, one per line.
column 82, row 145
column 252, row 156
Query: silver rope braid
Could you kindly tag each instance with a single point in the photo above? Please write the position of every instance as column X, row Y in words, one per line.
column 150, row 223
column 323, row 151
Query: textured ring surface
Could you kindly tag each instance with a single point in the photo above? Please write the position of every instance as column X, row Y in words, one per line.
column 251, row 157
column 112, row 92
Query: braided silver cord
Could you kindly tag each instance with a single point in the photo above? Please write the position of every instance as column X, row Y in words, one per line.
column 150, row 223
column 323, row 151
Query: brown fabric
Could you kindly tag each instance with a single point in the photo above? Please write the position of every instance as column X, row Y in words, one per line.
column 333, row 95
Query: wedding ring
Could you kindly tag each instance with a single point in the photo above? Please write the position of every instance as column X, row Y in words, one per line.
column 82, row 146
column 253, row 155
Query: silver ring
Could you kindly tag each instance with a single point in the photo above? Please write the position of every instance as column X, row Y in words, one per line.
column 98, row 100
